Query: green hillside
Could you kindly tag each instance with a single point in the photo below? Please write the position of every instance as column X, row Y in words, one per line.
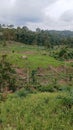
column 36, row 89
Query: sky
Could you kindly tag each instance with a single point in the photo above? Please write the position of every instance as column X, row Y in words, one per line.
column 44, row 14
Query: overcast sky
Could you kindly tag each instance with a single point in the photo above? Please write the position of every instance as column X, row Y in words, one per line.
column 45, row 14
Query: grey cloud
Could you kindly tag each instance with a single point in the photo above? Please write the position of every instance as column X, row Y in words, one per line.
column 30, row 10
column 33, row 13
column 67, row 16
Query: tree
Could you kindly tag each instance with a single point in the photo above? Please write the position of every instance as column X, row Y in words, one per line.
column 7, row 77
column 38, row 30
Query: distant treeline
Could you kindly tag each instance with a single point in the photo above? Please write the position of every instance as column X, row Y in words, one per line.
column 47, row 38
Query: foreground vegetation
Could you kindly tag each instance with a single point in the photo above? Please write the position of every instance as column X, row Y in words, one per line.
column 40, row 111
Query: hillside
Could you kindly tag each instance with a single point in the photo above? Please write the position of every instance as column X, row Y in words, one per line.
column 36, row 88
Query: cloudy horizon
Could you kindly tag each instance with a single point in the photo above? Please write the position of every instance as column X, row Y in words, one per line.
column 44, row 14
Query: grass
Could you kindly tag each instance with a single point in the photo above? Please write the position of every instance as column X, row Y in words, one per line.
column 43, row 61
column 35, row 60
column 41, row 111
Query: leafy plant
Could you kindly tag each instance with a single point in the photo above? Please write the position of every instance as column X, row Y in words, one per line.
column 7, row 78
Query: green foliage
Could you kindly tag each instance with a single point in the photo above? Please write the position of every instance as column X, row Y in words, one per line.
column 4, row 44
column 23, row 92
column 67, row 100
column 63, row 54
column 40, row 37
column 7, row 78
column 48, row 88
column 41, row 111
column 33, row 76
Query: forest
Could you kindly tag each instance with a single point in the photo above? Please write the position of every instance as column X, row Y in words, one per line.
column 47, row 38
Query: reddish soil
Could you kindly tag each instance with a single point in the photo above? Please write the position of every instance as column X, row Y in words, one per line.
column 21, row 72
column 47, row 75
column 69, row 61
column 29, row 52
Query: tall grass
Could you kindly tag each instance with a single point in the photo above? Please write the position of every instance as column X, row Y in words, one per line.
column 41, row 111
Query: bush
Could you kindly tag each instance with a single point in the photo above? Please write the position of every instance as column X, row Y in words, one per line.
column 63, row 54
column 7, row 75
column 3, row 96
column 65, row 88
column 67, row 101
column 23, row 93
column 48, row 88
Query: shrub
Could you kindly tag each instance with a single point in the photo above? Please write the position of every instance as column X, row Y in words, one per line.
column 48, row 88
column 7, row 75
column 3, row 96
column 67, row 101
column 22, row 93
